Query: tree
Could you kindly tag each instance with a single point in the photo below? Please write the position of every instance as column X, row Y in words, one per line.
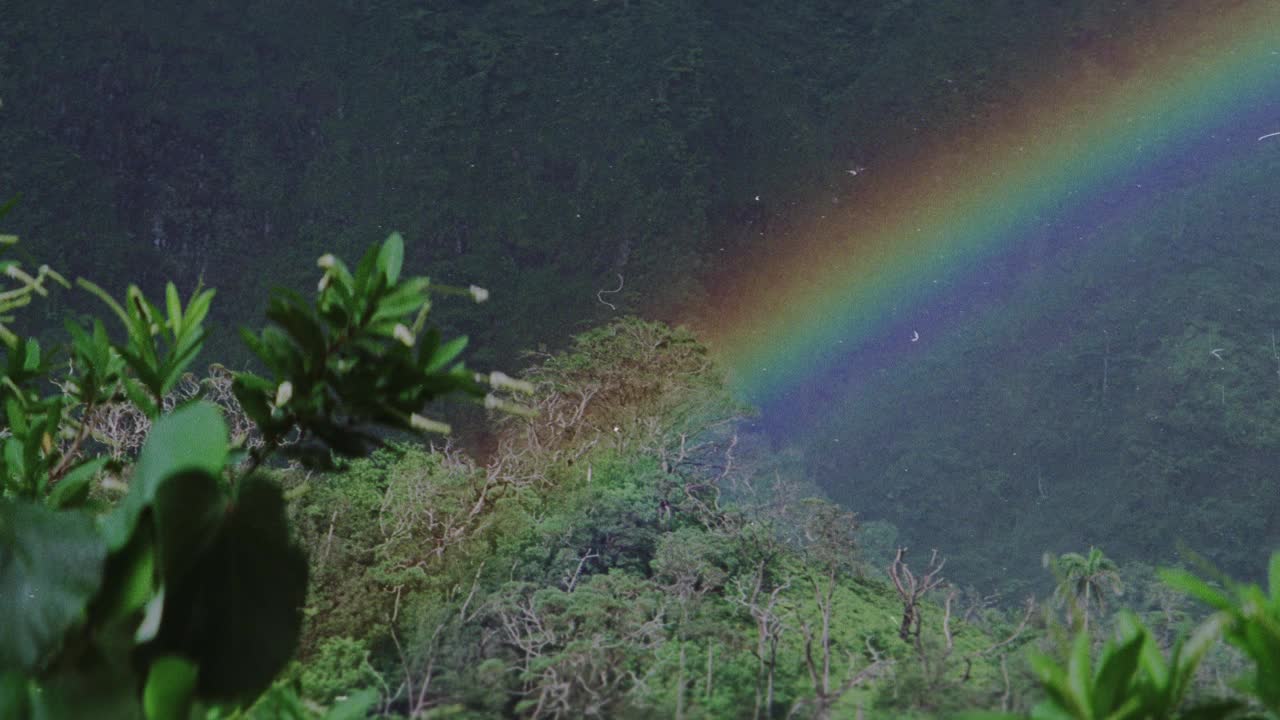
column 830, row 553
column 1083, row 581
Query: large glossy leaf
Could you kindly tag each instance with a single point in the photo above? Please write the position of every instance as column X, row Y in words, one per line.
column 237, row 612
column 50, row 568
column 188, row 509
column 191, row 439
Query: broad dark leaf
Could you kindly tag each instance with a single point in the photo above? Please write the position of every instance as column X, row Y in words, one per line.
column 188, row 509
column 191, row 439
column 237, row 613
column 50, row 568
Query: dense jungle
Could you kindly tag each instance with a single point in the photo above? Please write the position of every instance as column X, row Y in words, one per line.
column 379, row 358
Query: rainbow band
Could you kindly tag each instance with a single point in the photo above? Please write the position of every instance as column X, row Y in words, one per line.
column 1199, row 90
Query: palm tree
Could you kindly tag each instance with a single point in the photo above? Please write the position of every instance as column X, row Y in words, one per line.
column 1083, row 580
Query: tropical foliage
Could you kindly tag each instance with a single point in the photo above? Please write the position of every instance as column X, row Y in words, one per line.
column 626, row 549
column 174, row 582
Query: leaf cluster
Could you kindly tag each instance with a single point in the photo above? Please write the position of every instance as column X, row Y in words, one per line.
column 1131, row 677
column 185, row 594
column 359, row 355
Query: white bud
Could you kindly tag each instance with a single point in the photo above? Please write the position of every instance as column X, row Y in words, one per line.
column 493, row 402
column 402, row 333
column 16, row 273
column 324, row 283
column 418, row 422
column 478, row 293
column 502, row 380
column 327, row 261
column 284, row 393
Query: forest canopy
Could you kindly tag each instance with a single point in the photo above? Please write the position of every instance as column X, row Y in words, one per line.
column 623, row 551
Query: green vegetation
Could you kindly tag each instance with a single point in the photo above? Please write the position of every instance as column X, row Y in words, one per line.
column 632, row 550
column 171, row 582
column 543, row 148
column 624, row 551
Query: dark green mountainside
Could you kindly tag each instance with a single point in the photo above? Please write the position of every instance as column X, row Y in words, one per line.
column 536, row 148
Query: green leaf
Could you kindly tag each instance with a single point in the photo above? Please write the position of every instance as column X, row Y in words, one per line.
column 129, row 582
column 1197, row 588
column 251, row 392
column 31, row 357
column 1079, row 675
column 237, row 613
column 9, row 205
column 137, row 394
column 1187, row 656
column 50, row 568
column 364, row 276
column 106, row 298
column 191, row 439
column 171, row 683
column 179, row 361
column 15, row 463
column 188, row 510
column 1116, row 673
column 407, row 297
column 445, row 355
column 198, row 308
column 291, row 312
column 391, row 257
column 174, row 306
column 16, row 416
column 73, row 488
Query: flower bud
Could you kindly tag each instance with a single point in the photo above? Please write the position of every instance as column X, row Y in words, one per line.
column 401, row 333
column 417, row 422
column 283, row 393
column 501, row 380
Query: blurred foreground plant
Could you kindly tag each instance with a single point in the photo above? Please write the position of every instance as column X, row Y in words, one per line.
column 185, row 593
column 1132, row 679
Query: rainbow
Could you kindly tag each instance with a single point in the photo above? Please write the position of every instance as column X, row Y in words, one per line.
column 894, row 270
